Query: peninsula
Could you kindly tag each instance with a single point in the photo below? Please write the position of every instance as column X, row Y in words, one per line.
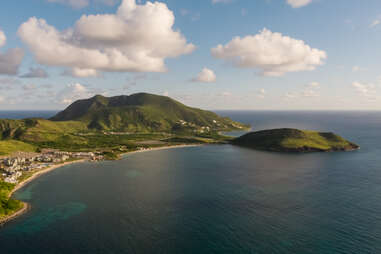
column 293, row 140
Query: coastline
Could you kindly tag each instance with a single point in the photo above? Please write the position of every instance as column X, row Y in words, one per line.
column 26, row 206
column 160, row 148
column 42, row 172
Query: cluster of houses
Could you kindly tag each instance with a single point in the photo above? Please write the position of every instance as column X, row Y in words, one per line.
column 13, row 167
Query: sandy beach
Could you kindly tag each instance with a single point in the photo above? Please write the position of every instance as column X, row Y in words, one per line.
column 161, row 148
column 41, row 172
column 26, row 207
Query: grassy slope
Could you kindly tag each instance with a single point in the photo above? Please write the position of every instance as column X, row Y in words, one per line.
column 294, row 140
column 140, row 113
column 7, row 205
column 146, row 117
column 11, row 146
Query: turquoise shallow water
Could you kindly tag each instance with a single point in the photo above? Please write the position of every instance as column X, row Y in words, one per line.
column 214, row 199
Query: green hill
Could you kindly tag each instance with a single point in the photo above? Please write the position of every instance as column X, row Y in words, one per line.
column 143, row 112
column 110, row 123
column 293, row 140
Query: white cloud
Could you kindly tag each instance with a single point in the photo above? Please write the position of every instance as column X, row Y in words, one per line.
column 375, row 23
column 138, row 38
column 7, row 83
column 261, row 93
column 225, row 94
column 221, row 1
column 3, row 38
column 310, row 90
column 364, row 89
column 73, row 92
column 356, row 68
column 205, row 76
column 77, row 4
column 314, row 85
column 272, row 53
column 81, row 73
column 298, row 3
column 291, row 95
column 35, row 73
column 29, row 87
column 310, row 93
column 11, row 59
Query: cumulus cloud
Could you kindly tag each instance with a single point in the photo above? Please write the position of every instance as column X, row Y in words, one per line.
column 138, row 38
column 73, row 92
column 310, row 90
column 205, row 76
column 375, row 23
column 35, row 73
column 3, row 38
column 261, row 93
column 271, row 53
column 364, row 89
column 81, row 73
column 298, row 3
column 11, row 59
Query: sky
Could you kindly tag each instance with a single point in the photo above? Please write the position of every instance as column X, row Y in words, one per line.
column 211, row 54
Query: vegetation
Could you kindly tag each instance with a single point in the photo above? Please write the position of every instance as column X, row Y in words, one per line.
column 143, row 112
column 7, row 205
column 11, row 146
column 293, row 140
column 102, row 123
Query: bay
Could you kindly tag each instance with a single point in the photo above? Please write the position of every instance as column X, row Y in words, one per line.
column 215, row 198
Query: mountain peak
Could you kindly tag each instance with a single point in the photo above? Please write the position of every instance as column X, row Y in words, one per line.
column 142, row 112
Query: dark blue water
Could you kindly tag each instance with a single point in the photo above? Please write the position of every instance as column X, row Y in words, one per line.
column 214, row 199
column 17, row 114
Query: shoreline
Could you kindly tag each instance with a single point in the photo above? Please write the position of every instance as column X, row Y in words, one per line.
column 42, row 172
column 26, row 206
column 160, row 148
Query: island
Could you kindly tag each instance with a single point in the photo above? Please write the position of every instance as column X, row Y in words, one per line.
column 99, row 128
column 295, row 141
column 104, row 128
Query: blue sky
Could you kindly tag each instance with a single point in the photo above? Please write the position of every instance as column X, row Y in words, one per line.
column 290, row 54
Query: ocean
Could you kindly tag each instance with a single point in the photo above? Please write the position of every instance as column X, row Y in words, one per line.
column 214, row 198
column 21, row 114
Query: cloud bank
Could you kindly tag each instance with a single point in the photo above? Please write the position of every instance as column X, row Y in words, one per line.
column 271, row 53
column 11, row 59
column 79, row 4
column 35, row 73
column 138, row 38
